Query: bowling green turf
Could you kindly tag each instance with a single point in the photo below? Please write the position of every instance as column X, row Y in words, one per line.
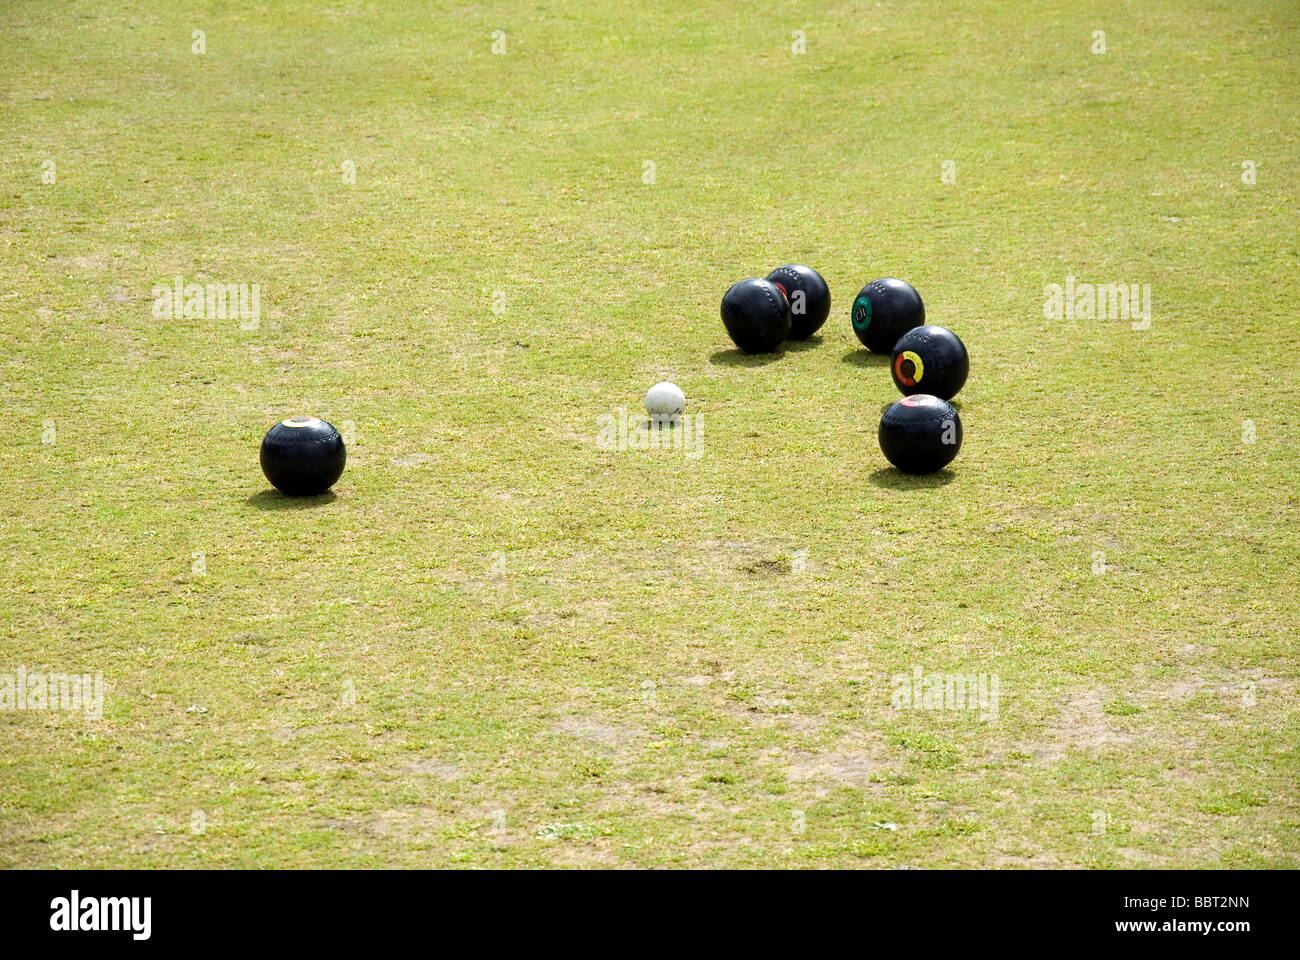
column 500, row 642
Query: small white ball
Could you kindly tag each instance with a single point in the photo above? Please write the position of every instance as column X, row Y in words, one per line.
column 665, row 401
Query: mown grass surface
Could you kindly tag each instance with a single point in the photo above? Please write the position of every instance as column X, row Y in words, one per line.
column 497, row 644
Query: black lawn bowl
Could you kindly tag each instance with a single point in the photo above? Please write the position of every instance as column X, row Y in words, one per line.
column 808, row 296
column 303, row 456
column 930, row 359
column 885, row 310
column 756, row 315
column 920, row 433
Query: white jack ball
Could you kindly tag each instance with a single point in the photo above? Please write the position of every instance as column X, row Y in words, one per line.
column 665, row 402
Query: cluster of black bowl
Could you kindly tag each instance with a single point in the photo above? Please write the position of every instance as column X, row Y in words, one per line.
column 791, row 304
column 920, row 433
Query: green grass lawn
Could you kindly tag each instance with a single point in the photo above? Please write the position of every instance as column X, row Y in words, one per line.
column 498, row 644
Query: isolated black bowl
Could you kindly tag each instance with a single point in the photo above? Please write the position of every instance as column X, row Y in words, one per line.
column 303, row 456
